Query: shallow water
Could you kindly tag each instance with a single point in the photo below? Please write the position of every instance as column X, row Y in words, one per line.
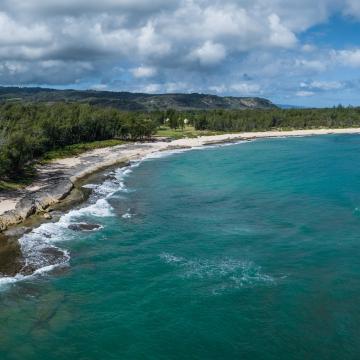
column 247, row 251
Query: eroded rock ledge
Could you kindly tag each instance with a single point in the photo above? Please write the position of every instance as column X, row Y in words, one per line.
column 37, row 202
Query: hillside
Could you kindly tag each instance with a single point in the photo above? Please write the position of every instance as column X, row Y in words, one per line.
column 135, row 101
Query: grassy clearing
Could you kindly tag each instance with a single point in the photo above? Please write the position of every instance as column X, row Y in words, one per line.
column 19, row 183
column 11, row 185
column 77, row 149
column 187, row 132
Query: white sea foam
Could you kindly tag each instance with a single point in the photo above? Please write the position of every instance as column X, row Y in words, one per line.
column 128, row 214
column 223, row 274
column 40, row 248
column 7, row 281
column 170, row 258
column 90, row 186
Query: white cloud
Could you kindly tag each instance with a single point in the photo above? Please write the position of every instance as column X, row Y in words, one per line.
column 245, row 88
column 280, row 35
column 151, row 43
column 14, row 34
column 151, row 88
column 347, row 57
column 305, row 93
column 175, row 45
column 308, row 48
column 325, row 85
column 312, row 65
column 219, row 89
column 209, row 53
column 144, row 72
column 71, row 7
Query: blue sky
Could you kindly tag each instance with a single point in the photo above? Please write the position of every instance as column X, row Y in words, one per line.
column 292, row 52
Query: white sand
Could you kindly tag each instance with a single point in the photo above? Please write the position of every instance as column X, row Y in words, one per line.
column 203, row 140
column 87, row 163
column 7, row 204
column 111, row 154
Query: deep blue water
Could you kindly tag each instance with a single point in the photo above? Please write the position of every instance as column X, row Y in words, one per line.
column 249, row 251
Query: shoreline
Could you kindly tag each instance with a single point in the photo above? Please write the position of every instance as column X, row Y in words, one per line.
column 58, row 179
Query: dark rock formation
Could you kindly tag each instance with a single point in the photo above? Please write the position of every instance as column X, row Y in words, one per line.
column 84, row 227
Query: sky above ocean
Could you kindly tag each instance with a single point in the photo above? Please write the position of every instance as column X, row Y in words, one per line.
column 292, row 52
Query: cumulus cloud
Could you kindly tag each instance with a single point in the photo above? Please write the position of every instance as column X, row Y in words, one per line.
column 144, row 72
column 311, row 65
column 80, row 7
column 280, row 35
column 209, row 53
column 323, row 85
column 347, row 57
column 171, row 45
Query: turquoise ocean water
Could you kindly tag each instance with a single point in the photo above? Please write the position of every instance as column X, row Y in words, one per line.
column 248, row 251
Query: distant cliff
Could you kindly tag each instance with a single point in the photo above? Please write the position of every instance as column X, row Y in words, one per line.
column 135, row 101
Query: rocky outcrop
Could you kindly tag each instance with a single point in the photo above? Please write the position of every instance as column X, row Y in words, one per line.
column 84, row 227
column 36, row 202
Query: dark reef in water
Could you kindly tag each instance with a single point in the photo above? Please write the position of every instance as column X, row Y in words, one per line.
column 11, row 261
column 84, row 227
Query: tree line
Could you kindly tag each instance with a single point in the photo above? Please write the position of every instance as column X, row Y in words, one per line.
column 28, row 131
column 263, row 120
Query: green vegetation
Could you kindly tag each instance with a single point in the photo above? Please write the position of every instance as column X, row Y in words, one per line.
column 29, row 131
column 44, row 131
column 276, row 119
column 19, row 182
column 133, row 101
column 186, row 132
column 77, row 149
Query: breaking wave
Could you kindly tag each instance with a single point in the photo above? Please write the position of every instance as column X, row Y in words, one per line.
column 40, row 248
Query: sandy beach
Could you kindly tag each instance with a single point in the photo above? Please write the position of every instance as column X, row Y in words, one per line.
column 56, row 180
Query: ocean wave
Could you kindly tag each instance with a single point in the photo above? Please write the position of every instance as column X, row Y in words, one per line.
column 222, row 274
column 112, row 185
column 7, row 281
column 40, row 248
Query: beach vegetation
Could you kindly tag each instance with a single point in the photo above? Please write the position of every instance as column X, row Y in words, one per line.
column 31, row 131
column 45, row 131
